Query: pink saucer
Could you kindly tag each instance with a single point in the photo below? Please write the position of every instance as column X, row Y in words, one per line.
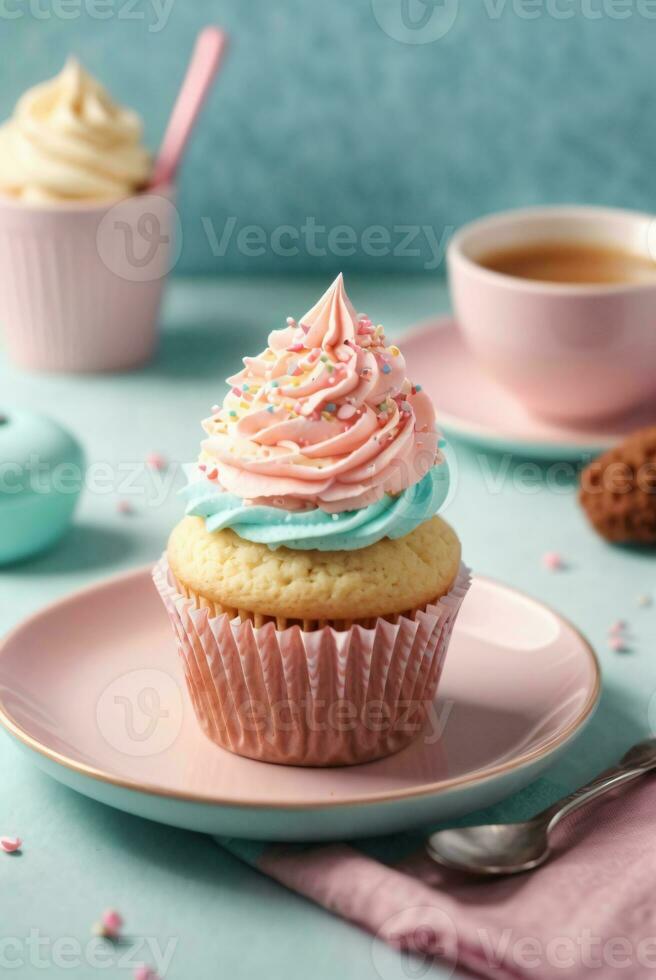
column 471, row 406
column 92, row 689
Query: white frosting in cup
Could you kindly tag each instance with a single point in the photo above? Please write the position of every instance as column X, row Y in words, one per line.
column 67, row 140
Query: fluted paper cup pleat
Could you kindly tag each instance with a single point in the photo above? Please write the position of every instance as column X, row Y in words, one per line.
column 213, row 692
column 316, row 697
column 66, row 305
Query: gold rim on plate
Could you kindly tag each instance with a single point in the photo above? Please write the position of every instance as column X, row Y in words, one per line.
column 457, row 782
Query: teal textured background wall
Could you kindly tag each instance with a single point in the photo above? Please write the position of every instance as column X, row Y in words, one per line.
column 322, row 114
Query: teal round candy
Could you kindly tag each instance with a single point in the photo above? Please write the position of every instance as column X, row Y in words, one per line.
column 41, row 476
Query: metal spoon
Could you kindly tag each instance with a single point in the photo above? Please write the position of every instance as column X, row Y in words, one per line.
column 505, row 849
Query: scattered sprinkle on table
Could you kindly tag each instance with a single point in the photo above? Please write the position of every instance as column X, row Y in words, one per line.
column 617, row 627
column 155, row 461
column 644, row 600
column 124, row 507
column 145, row 973
column 553, row 561
column 618, row 644
column 10, row 844
column 110, row 925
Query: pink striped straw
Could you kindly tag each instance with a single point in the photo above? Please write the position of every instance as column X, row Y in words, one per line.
column 207, row 56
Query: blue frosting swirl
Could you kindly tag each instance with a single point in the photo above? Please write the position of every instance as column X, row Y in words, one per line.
column 390, row 517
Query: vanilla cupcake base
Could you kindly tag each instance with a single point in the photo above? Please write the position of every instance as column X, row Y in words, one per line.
column 319, row 696
column 391, row 577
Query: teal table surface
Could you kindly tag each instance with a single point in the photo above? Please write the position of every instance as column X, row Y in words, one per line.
column 217, row 917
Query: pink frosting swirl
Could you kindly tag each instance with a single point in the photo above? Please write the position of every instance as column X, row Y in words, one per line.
column 324, row 417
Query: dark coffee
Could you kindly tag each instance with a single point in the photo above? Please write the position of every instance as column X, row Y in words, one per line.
column 571, row 262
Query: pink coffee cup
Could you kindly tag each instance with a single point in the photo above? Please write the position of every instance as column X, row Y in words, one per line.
column 81, row 284
column 568, row 352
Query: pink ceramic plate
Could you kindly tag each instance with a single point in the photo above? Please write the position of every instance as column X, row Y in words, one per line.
column 472, row 406
column 92, row 690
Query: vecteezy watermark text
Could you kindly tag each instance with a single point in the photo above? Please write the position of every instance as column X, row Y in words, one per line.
column 426, row 21
column 567, row 9
column 427, row 934
column 41, row 952
column 154, row 13
column 318, row 241
column 408, row 716
column 133, row 479
column 136, row 480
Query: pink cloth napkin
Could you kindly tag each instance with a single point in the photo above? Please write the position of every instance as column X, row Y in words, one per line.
column 590, row 912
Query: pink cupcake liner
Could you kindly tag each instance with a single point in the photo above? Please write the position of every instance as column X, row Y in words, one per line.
column 314, row 698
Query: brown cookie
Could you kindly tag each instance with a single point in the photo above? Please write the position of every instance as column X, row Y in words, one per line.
column 618, row 490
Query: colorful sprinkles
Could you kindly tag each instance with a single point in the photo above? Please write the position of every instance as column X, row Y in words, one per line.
column 145, row 973
column 155, row 461
column 301, row 371
column 110, row 925
column 617, row 639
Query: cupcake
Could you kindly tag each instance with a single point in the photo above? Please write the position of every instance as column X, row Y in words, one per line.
column 83, row 250
column 311, row 587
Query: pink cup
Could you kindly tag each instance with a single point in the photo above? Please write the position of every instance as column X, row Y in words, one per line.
column 569, row 352
column 81, row 285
